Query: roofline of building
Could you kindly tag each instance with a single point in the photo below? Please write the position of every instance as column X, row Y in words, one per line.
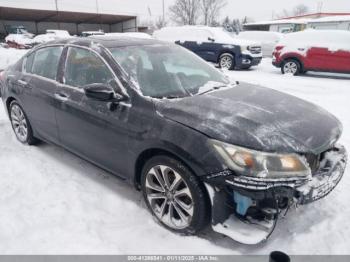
column 313, row 14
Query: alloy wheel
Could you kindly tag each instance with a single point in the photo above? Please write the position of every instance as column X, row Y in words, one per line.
column 19, row 123
column 290, row 68
column 169, row 197
column 226, row 62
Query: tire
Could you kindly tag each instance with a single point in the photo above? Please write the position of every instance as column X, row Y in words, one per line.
column 21, row 125
column 246, row 67
column 291, row 66
column 165, row 206
column 226, row 61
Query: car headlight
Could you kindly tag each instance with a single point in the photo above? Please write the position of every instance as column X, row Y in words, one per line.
column 262, row 164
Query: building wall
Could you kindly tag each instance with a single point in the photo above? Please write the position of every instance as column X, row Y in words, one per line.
column 73, row 29
column 344, row 25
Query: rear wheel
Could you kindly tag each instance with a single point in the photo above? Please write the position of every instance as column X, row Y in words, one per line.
column 291, row 66
column 20, row 124
column 226, row 61
column 174, row 195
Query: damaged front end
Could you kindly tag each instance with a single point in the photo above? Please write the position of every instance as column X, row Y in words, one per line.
column 246, row 208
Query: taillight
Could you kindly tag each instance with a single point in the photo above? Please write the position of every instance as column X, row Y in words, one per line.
column 279, row 47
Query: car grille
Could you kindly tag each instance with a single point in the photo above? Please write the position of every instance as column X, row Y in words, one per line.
column 255, row 49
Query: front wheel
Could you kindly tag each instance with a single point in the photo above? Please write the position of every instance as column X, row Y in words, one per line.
column 291, row 66
column 226, row 61
column 174, row 195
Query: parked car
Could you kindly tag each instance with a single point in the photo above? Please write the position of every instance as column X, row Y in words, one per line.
column 314, row 50
column 131, row 34
column 201, row 149
column 19, row 41
column 92, row 33
column 18, row 37
column 214, row 44
column 267, row 39
column 51, row 35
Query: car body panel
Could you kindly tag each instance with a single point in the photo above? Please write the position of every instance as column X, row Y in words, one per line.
column 257, row 117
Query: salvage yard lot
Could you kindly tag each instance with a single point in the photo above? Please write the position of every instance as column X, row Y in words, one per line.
column 52, row 202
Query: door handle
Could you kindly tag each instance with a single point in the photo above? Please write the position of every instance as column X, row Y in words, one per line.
column 23, row 83
column 61, row 97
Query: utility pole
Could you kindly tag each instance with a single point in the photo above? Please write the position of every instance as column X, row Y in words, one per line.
column 97, row 12
column 56, row 4
column 163, row 13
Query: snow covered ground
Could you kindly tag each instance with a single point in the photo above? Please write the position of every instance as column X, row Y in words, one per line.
column 52, row 202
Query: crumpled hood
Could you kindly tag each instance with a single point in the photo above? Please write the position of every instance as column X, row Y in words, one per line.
column 256, row 117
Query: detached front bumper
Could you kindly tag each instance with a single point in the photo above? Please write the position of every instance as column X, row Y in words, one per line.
column 326, row 178
column 229, row 212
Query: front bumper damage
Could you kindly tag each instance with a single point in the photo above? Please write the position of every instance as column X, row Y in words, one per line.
column 247, row 209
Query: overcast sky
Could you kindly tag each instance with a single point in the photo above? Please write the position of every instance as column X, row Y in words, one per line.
column 255, row 9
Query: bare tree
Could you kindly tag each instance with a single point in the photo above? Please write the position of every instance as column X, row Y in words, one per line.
column 160, row 23
column 300, row 10
column 211, row 10
column 185, row 12
column 297, row 10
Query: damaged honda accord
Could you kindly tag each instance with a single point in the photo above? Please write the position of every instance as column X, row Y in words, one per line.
column 202, row 149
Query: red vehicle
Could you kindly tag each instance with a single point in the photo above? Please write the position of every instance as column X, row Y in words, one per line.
column 312, row 50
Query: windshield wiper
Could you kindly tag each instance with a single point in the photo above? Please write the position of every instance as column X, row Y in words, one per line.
column 212, row 89
column 167, row 97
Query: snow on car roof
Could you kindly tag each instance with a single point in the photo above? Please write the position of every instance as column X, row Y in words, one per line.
column 334, row 40
column 199, row 34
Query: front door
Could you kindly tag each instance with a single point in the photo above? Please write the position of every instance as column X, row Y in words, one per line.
column 86, row 126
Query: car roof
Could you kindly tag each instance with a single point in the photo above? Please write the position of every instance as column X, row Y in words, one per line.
column 106, row 41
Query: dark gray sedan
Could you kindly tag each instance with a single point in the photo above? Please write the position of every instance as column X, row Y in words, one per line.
column 202, row 149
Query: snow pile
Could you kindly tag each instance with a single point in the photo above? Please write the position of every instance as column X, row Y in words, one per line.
column 333, row 40
column 131, row 34
column 20, row 39
column 9, row 56
column 199, row 34
column 51, row 35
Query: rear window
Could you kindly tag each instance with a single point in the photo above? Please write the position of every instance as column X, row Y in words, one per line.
column 46, row 61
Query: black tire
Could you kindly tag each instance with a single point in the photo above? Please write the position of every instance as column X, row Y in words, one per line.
column 227, row 58
column 201, row 207
column 30, row 139
column 292, row 66
column 246, row 67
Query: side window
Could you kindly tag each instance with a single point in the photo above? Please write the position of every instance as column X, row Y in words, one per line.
column 29, row 63
column 46, row 62
column 84, row 67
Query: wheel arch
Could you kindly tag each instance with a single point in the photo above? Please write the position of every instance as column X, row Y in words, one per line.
column 9, row 100
column 147, row 154
column 296, row 58
column 230, row 52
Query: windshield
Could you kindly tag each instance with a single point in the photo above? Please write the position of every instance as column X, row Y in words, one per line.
column 168, row 70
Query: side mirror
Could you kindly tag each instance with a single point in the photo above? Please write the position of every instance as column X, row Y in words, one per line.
column 99, row 92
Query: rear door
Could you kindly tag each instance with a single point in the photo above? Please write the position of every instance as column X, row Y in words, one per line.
column 39, row 83
column 197, row 41
column 89, row 127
